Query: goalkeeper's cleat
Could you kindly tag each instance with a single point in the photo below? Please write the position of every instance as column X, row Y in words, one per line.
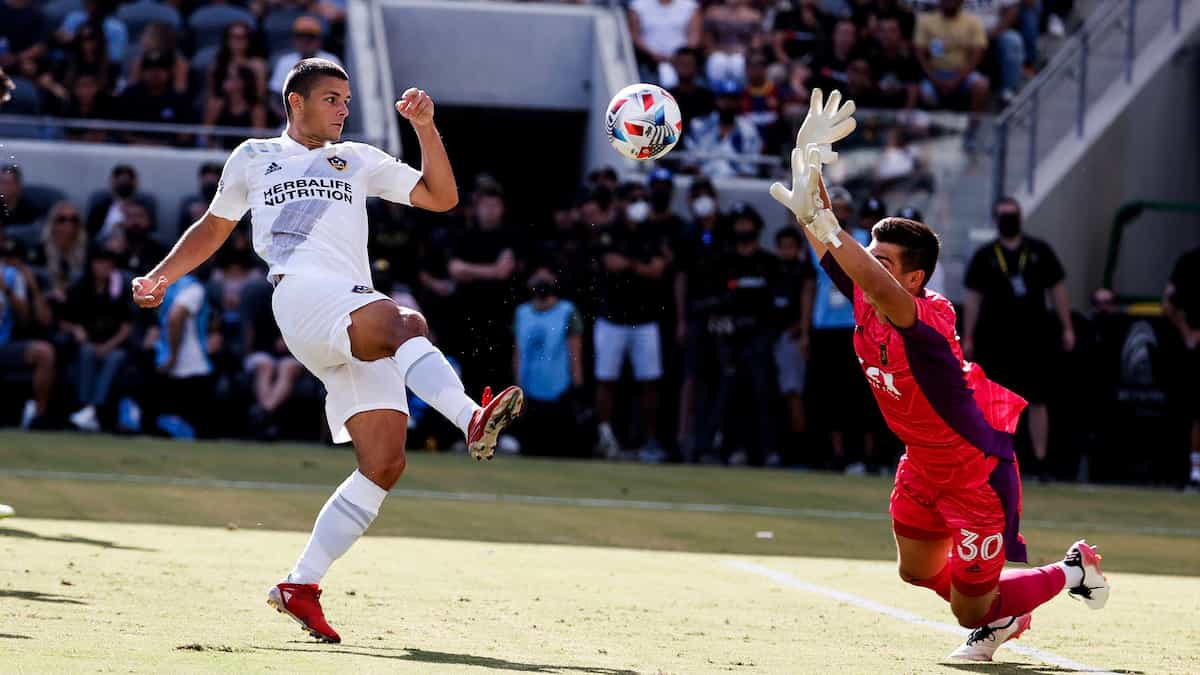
column 1094, row 587
column 983, row 642
column 495, row 415
column 302, row 602
column 6, row 511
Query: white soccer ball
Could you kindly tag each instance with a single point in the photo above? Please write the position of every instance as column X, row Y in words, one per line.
column 643, row 122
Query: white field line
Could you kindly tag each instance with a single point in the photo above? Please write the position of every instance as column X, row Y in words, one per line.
column 587, row 502
column 790, row 581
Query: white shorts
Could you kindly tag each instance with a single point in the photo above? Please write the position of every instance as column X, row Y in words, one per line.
column 313, row 314
column 614, row 341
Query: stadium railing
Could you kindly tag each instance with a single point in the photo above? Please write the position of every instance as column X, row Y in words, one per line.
column 40, row 127
column 1100, row 55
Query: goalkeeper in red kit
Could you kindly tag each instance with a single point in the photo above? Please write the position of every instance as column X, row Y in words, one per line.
column 956, row 503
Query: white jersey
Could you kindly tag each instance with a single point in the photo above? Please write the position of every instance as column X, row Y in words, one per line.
column 309, row 207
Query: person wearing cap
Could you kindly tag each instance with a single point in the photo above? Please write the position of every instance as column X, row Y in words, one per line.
column 154, row 100
column 98, row 317
column 743, row 326
column 846, row 405
column 307, row 37
column 724, row 136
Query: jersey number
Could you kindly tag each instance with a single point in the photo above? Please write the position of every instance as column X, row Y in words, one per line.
column 987, row 549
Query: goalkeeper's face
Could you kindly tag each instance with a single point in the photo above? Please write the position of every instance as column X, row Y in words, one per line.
column 322, row 114
column 891, row 256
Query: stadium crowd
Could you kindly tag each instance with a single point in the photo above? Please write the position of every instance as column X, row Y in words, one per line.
column 676, row 335
column 206, row 63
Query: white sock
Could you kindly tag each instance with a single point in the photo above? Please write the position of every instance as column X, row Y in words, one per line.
column 430, row 376
column 1196, row 466
column 343, row 519
column 1074, row 574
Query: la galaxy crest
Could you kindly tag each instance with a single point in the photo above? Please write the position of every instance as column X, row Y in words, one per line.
column 338, row 163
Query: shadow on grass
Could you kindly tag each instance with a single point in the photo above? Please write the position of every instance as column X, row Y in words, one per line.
column 449, row 658
column 9, row 636
column 71, row 539
column 1001, row 668
column 37, row 596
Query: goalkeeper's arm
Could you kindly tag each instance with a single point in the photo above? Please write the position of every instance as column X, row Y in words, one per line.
column 867, row 271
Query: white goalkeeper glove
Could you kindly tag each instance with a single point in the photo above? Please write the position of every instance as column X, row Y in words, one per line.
column 826, row 123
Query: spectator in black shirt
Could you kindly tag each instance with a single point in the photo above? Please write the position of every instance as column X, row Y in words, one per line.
column 829, row 69
column 100, row 319
column 1181, row 304
column 694, row 98
column 794, row 296
column 1008, row 328
column 894, row 66
column 797, row 32
column 696, row 291
column 133, row 241
column 633, row 264
column 89, row 101
column 481, row 264
column 743, row 324
column 106, row 209
column 155, row 100
column 23, row 27
column 14, row 210
column 193, row 206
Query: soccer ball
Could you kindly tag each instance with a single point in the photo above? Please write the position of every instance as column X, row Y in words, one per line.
column 643, row 122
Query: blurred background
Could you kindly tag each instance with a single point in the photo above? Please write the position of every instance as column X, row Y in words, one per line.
column 1051, row 143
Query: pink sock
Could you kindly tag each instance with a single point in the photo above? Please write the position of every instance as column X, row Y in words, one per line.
column 939, row 583
column 1021, row 591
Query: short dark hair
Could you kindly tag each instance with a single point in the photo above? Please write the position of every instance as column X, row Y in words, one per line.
column 1006, row 199
column 789, row 232
column 304, row 75
column 920, row 243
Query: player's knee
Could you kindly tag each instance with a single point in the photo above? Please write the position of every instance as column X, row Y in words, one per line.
column 392, row 469
column 409, row 325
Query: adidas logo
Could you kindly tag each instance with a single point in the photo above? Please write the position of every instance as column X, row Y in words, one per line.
column 272, row 168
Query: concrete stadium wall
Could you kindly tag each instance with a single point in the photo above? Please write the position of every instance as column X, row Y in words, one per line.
column 1150, row 152
column 79, row 169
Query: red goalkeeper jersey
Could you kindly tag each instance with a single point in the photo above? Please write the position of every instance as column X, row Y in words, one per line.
column 957, row 426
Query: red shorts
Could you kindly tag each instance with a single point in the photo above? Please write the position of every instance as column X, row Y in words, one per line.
column 973, row 517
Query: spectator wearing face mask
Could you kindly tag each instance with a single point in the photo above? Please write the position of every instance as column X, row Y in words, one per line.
column 702, row 243
column 724, row 137
column 105, row 208
column 548, row 365
column 744, row 328
column 193, row 206
column 1008, row 326
column 133, row 241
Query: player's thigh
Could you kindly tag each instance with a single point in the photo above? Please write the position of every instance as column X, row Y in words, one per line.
column 361, row 386
column 611, row 343
column 976, row 518
column 646, row 352
column 314, row 315
column 922, row 537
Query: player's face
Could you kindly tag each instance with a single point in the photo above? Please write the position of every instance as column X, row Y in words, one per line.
column 325, row 109
column 890, row 255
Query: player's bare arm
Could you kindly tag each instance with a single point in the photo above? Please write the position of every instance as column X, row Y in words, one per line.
column 197, row 244
column 437, row 189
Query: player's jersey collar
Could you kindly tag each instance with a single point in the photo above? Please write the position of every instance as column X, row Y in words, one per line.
column 291, row 143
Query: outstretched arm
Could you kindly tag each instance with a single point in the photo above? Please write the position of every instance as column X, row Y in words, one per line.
column 197, row 244
column 869, row 274
column 437, row 189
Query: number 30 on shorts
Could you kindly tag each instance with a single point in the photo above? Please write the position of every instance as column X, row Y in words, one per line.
column 987, row 549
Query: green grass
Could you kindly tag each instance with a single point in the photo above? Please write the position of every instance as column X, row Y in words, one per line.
column 152, row 577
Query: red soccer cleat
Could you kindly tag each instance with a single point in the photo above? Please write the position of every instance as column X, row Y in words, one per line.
column 496, row 414
column 302, row 602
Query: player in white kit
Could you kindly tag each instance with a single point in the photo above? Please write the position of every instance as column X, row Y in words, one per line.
column 307, row 198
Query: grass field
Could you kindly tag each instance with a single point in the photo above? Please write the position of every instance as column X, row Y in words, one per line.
column 139, row 555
